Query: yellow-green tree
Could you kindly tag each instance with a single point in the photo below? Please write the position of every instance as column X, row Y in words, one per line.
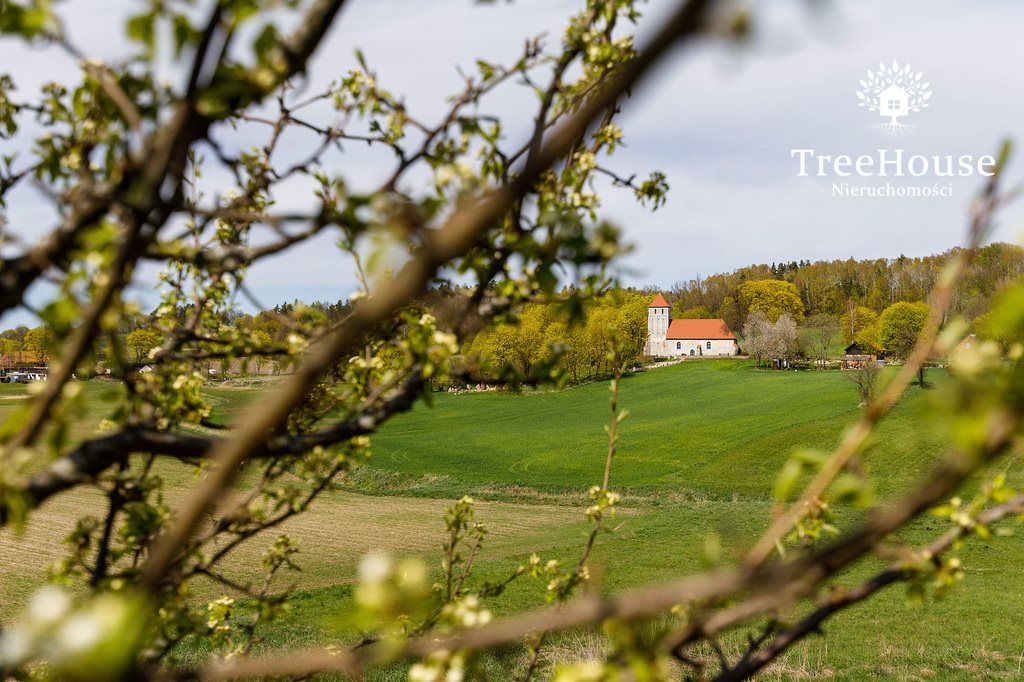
column 10, row 351
column 855, row 320
column 531, row 348
column 899, row 326
column 558, row 339
column 699, row 312
column 140, row 342
column 631, row 323
column 262, row 340
column 870, row 337
column 773, row 297
column 38, row 343
column 600, row 330
column 498, row 349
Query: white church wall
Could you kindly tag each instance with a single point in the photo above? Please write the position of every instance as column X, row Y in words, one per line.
column 719, row 347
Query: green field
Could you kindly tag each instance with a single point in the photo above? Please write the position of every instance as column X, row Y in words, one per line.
column 697, row 456
column 711, row 429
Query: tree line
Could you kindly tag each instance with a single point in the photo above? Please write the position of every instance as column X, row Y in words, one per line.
column 770, row 307
column 836, row 287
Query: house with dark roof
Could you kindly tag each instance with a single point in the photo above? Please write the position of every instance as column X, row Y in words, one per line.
column 686, row 338
column 857, row 356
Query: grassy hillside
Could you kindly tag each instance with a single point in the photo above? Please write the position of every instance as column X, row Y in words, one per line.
column 698, row 455
column 714, row 428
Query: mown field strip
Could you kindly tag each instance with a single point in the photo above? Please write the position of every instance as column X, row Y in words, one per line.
column 337, row 531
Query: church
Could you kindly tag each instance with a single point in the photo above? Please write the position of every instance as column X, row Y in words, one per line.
column 678, row 338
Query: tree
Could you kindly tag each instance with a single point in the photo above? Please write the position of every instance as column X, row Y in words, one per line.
column 772, row 297
column 855, row 320
column 865, row 378
column 913, row 87
column 130, row 158
column 187, row 174
column 777, row 341
column 730, row 312
column 820, row 332
column 631, row 323
column 16, row 334
column 756, row 332
column 140, row 342
column 695, row 313
column 10, row 352
column 899, row 328
column 261, row 341
column 243, row 321
column 530, row 343
column 498, row 349
column 600, row 333
column 869, row 337
column 839, row 287
column 39, row 343
column 618, row 318
column 900, row 325
column 783, row 340
column 570, row 342
column 271, row 326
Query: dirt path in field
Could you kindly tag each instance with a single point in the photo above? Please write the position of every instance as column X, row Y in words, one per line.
column 337, row 531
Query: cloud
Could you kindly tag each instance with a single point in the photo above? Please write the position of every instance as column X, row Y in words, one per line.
column 720, row 121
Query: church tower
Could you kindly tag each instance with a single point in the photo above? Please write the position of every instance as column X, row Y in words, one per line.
column 657, row 325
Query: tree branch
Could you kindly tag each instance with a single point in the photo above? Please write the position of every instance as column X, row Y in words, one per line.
column 857, row 435
column 755, row 660
column 793, row 579
column 439, row 248
column 93, row 457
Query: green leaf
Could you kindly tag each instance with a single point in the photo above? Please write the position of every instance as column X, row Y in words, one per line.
column 182, row 33
column 788, row 479
column 141, row 29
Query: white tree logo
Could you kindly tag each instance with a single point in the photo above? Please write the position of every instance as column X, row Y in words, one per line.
column 894, row 91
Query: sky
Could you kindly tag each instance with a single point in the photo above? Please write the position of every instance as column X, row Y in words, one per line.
column 719, row 120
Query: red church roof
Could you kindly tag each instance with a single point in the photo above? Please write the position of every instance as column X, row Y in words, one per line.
column 699, row 329
column 659, row 302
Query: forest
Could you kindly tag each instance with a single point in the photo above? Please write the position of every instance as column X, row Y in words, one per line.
column 828, row 303
column 835, row 287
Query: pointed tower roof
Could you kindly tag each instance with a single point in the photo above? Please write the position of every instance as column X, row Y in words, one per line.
column 659, row 302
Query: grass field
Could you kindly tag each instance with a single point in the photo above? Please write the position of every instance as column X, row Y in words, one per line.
column 714, row 428
column 698, row 456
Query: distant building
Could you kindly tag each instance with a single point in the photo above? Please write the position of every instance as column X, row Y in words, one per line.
column 857, row 356
column 686, row 338
column 27, row 374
